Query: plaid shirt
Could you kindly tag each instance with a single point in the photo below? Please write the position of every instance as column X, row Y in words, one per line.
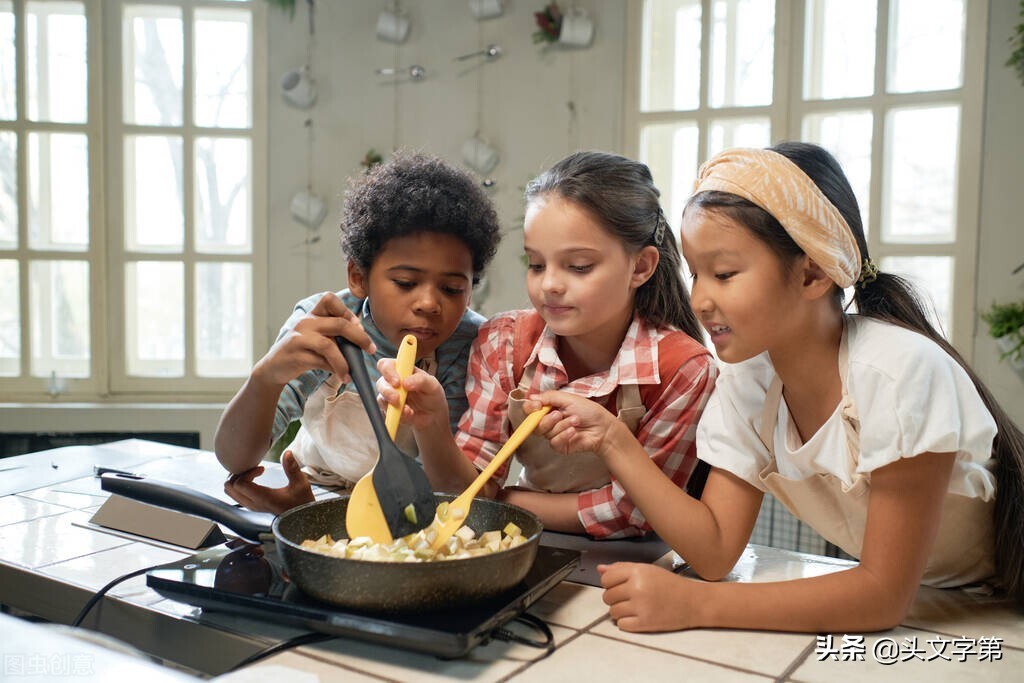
column 667, row 430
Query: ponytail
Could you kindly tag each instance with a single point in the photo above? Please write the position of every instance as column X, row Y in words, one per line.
column 663, row 299
column 892, row 299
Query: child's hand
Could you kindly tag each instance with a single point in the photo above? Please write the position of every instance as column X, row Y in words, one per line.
column 575, row 424
column 648, row 598
column 425, row 402
column 264, row 499
column 310, row 345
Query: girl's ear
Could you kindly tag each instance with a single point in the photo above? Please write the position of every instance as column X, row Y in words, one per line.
column 644, row 266
column 815, row 282
column 358, row 282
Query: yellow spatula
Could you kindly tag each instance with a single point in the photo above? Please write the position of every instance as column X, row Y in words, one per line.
column 363, row 516
column 458, row 509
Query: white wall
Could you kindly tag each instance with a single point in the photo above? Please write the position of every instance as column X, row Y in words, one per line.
column 1001, row 241
column 524, row 113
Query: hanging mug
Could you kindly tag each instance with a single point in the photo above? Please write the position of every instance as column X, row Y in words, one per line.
column 485, row 9
column 298, row 89
column 308, row 209
column 577, row 28
column 480, row 155
column 392, row 26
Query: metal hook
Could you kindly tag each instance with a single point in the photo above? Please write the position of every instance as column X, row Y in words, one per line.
column 416, row 72
column 490, row 53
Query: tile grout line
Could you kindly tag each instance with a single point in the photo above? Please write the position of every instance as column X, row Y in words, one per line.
column 731, row 667
column 796, row 663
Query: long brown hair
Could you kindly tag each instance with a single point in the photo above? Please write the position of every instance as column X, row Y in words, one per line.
column 894, row 300
column 620, row 193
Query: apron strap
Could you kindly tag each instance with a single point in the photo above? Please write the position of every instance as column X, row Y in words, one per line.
column 770, row 415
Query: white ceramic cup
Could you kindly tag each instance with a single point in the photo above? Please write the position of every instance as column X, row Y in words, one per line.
column 392, row 26
column 485, row 9
column 298, row 89
column 479, row 155
column 577, row 28
column 308, row 209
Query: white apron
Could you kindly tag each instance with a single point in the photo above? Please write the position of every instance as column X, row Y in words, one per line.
column 336, row 445
column 963, row 549
column 544, row 469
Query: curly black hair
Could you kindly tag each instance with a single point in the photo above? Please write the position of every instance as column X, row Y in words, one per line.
column 412, row 193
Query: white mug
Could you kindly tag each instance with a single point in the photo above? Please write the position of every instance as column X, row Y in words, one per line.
column 308, row 209
column 577, row 28
column 479, row 155
column 298, row 89
column 392, row 26
column 485, row 9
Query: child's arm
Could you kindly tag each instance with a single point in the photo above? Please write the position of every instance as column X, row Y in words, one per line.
column 243, row 489
column 904, row 509
column 709, row 533
column 244, row 432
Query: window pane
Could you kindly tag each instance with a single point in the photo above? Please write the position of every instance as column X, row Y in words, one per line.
column 154, row 219
column 58, row 191
column 726, row 133
column 839, row 50
column 10, row 320
column 223, row 319
column 926, row 45
column 223, row 77
column 57, row 78
column 670, row 151
column 932, row 276
column 223, row 195
column 59, row 312
column 153, row 65
column 8, row 190
column 920, row 197
column 155, row 318
column 670, row 71
column 742, row 52
column 8, row 104
column 847, row 135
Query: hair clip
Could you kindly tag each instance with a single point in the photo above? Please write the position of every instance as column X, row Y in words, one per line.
column 868, row 273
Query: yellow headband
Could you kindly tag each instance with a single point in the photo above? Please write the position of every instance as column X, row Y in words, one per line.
column 777, row 185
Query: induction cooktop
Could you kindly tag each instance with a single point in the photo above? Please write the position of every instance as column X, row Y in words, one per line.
column 249, row 580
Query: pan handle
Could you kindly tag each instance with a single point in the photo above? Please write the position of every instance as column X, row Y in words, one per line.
column 246, row 523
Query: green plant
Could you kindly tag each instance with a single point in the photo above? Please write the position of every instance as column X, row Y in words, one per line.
column 549, row 24
column 1007, row 321
column 287, row 6
column 1016, row 60
column 371, row 159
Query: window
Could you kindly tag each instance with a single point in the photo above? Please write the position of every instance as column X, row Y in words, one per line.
column 130, row 236
column 890, row 87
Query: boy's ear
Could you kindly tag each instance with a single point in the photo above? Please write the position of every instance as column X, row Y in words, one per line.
column 357, row 281
column 815, row 282
column 646, row 263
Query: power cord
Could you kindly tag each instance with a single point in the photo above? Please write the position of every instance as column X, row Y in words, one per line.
column 304, row 639
column 548, row 639
column 98, row 595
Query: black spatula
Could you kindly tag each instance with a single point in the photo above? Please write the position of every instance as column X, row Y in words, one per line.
column 398, row 479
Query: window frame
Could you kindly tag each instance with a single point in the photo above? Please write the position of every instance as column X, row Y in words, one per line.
column 788, row 109
column 107, row 252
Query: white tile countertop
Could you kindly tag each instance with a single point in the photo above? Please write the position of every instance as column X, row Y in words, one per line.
column 51, row 562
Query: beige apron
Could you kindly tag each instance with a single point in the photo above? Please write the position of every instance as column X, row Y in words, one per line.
column 336, row 445
column 544, row 469
column 963, row 547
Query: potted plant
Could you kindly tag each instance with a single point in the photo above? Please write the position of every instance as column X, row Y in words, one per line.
column 1006, row 326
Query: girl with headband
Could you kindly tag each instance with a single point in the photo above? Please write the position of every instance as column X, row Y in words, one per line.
column 868, row 427
column 611, row 324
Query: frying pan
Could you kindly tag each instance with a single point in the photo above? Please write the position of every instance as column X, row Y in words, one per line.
column 358, row 584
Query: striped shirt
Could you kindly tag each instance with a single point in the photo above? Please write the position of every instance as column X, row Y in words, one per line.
column 667, row 431
column 448, row 364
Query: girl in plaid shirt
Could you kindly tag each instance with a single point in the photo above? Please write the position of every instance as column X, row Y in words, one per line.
column 611, row 325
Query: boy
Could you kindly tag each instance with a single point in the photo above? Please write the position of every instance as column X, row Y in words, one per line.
column 418, row 234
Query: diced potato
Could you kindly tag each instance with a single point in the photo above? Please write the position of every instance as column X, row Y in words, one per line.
column 512, row 530
column 465, row 533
